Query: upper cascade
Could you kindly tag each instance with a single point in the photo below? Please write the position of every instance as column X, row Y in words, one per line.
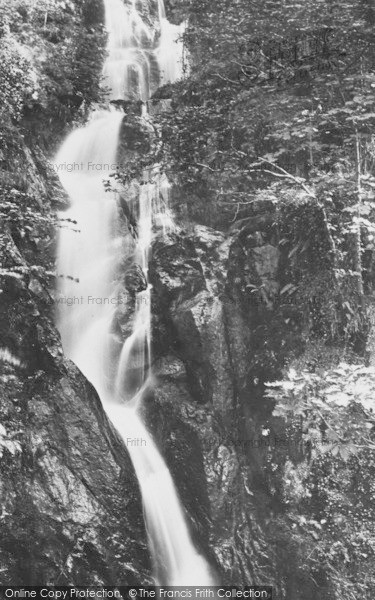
column 144, row 51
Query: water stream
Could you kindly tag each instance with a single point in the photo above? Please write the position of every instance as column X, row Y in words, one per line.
column 92, row 246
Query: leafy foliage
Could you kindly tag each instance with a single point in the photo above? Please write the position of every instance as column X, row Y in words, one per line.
column 51, row 56
column 16, row 78
column 336, row 408
column 275, row 82
column 329, row 492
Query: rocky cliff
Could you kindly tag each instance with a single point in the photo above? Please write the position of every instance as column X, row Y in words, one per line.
column 221, row 329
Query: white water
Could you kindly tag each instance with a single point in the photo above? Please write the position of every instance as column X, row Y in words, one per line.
column 92, row 246
column 134, row 49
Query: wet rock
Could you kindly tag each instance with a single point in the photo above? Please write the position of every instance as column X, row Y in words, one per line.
column 72, row 510
column 186, row 286
column 38, row 290
column 134, row 280
column 201, row 330
column 175, row 270
column 206, row 328
column 158, row 106
column 175, row 10
column 134, row 140
column 170, row 367
column 266, row 262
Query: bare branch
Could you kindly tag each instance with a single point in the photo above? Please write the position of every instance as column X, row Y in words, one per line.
column 287, row 175
column 225, row 78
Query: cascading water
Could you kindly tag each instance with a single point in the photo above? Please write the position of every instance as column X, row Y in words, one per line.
column 132, row 52
column 91, row 248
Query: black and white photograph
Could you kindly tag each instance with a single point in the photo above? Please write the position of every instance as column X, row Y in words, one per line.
column 187, row 299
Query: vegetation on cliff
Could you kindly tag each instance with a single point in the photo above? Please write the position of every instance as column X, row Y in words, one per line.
column 50, row 65
column 51, row 56
column 275, row 118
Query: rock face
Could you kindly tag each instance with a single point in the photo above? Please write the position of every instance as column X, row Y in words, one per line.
column 71, row 506
column 222, row 327
column 202, row 343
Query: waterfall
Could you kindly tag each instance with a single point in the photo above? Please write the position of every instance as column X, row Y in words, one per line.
column 92, row 246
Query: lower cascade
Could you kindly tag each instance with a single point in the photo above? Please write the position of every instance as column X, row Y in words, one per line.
column 92, row 246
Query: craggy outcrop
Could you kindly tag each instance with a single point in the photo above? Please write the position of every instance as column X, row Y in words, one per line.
column 202, row 341
column 222, row 327
column 71, row 507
